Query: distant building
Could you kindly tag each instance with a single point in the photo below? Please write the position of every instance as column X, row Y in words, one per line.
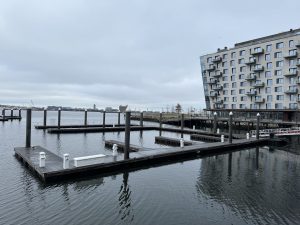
column 259, row 74
column 94, row 107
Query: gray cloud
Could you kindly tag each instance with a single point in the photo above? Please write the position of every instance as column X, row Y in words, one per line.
column 144, row 53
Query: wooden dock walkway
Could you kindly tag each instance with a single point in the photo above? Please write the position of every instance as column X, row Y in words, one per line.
column 121, row 146
column 112, row 164
column 173, row 141
column 79, row 126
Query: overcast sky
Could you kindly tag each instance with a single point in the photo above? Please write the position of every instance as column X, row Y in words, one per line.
column 141, row 53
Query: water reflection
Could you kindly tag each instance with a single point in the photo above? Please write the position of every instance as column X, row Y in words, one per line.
column 249, row 188
column 125, row 210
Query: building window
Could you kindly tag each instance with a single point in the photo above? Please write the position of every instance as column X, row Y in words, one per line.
column 278, row 55
column 233, row 106
column 234, row 85
column 279, row 45
column 234, row 99
column 292, row 62
column 226, row 99
column 242, row 91
column 293, row 98
column 225, row 78
column 269, row 65
column 241, row 61
column 243, row 84
column 278, row 89
column 232, row 63
column 233, row 92
column 233, row 55
column 268, row 106
column 279, row 97
column 242, row 106
column 224, row 64
column 225, row 71
column 225, row 85
column 243, row 98
column 291, row 43
column 279, row 63
column 269, row 48
column 292, row 80
column 242, row 52
column 278, row 106
column 293, row 106
column 278, row 72
column 243, row 69
column 267, row 57
column 279, row 81
column 269, row 98
column 268, row 74
column 268, row 90
column 224, row 56
column 242, row 76
column 232, row 78
column 233, row 70
column 209, row 60
column 269, row 82
column 225, row 92
column 257, row 49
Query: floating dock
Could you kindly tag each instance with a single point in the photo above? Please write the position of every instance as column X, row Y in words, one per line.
column 112, row 164
column 173, row 141
column 79, row 126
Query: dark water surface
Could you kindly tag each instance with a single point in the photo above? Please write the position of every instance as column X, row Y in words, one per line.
column 254, row 186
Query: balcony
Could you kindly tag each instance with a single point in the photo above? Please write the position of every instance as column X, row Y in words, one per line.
column 291, row 73
column 291, row 91
column 218, row 74
column 258, row 68
column 291, row 55
column 212, row 81
column 213, row 94
column 251, row 92
column 250, row 77
column 250, row 61
column 217, row 59
column 259, row 85
column 217, row 88
column 257, row 51
column 259, row 100
column 211, row 68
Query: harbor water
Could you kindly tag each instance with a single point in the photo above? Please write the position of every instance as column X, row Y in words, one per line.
column 251, row 186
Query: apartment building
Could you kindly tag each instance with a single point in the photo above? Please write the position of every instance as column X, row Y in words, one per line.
column 259, row 74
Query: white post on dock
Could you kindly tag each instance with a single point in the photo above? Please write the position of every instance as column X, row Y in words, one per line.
column 215, row 123
column 181, row 143
column 66, row 163
column 194, row 127
column 42, row 159
column 230, row 127
column 257, row 125
column 114, row 125
column 222, row 138
column 218, row 131
column 247, row 136
column 115, row 150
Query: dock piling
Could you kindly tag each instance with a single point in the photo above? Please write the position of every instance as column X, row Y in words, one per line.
column 119, row 118
column 115, row 150
column 247, row 136
column 28, row 128
column 45, row 117
column 141, row 119
column 20, row 113
column 182, row 124
column 215, row 123
column 58, row 118
column 181, row 143
column 103, row 121
column 257, row 125
column 230, row 127
column 160, row 123
column 3, row 113
column 127, row 135
column 85, row 117
column 11, row 113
